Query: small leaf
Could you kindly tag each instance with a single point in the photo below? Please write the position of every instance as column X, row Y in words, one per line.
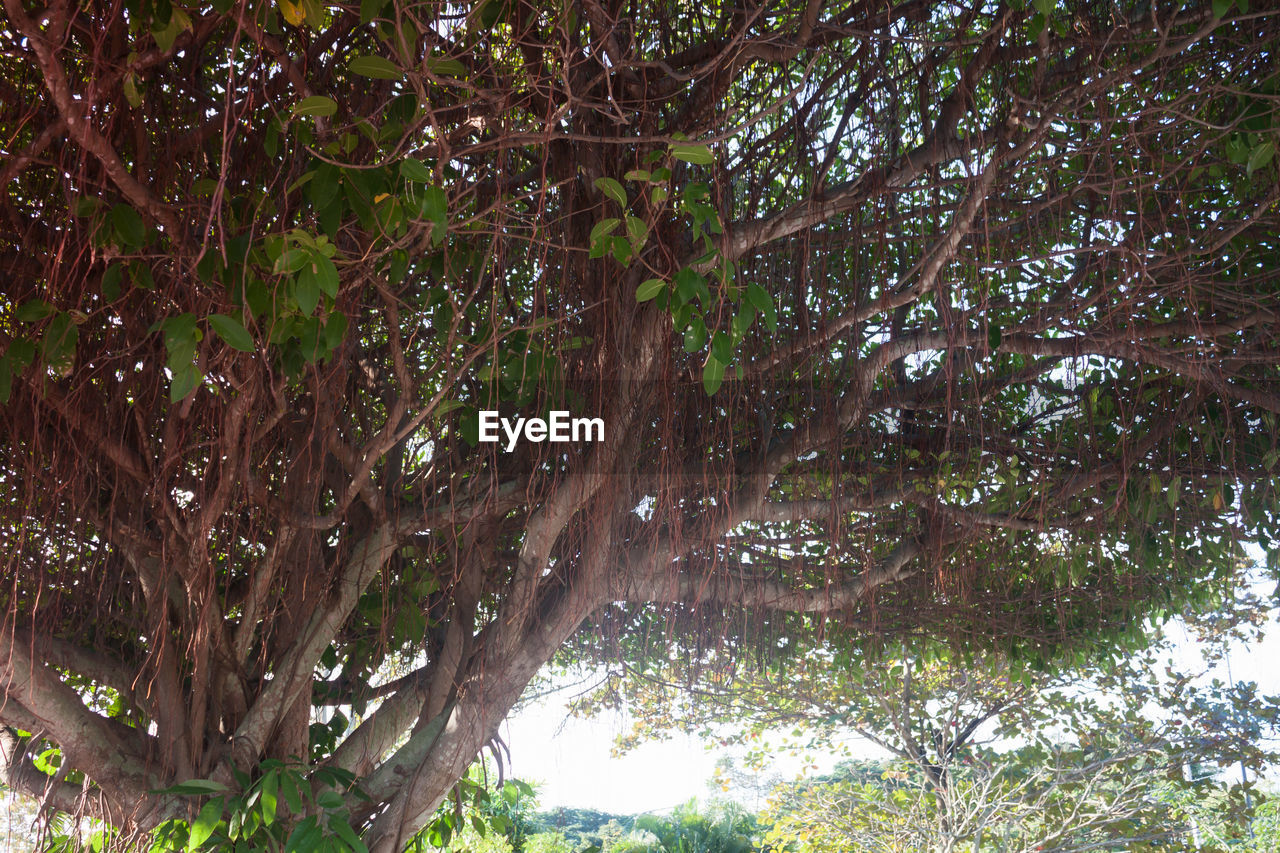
column 131, row 93
column 294, row 13
column 193, row 787
column 621, row 249
column 270, row 789
column 1260, row 156
column 185, row 380
column 698, row 154
column 59, row 345
column 415, row 170
column 329, row 800
column 6, row 380
column 376, row 67
column 370, row 9
column 307, row 291
column 289, row 790
column 165, row 37
column 446, row 67
column 759, row 297
column 33, row 311
column 291, row 260
column 601, row 229
column 613, row 190
column 316, row 105
column 712, row 375
column 695, row 337
column 305, row 837
column 207, row 821
column 128, row 225
column 231, row 331
column 111, row 278
column 649, row 288
column 638, row 175
column 435, row 205
column 637, row 232
column 344, row 831
column 722, row 347
column 326, row 275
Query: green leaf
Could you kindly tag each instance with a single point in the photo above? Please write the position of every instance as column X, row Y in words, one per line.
column 270, row 788
column 231, row 331
column 316, row 105
column 33, row 311
column 613, row 190
column 1221, row 8
column 326, row 275
column 415, row 170
column 446, row 67
column 695, row 337
column 128, row 225
column 21, row 353
column 305, row 836
column 691, row 283
column 1260, row 156
column 6, row 379
column 206, row 822
column 334, row 330
column 602, row 229
column 59, row 345
column 291, row 260
column 370, row 9
column 376, row 67
column 343, row 829
column 637, row 232
column 111, row 278
column 712, row 375
column 649, row 288
column 759, row 297
column 638, row 175
column 185, row 380
column 722, row 347
column 165, row 37
column 435, row 205
column 131, row 93
column 698, row 154
column 307, row 291
column 621, row 249
column 329, row 800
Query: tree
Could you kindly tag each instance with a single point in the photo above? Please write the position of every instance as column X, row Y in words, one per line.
column 1055, row 770
column 898, row 317
column 1130, row 753
column 725, row 828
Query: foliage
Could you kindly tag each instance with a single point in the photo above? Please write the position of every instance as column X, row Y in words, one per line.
column 722, row 829
column 901, row 318
column 1135, row 755
column 581, row 827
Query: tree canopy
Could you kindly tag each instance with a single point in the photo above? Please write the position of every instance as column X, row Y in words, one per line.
column 900, row 318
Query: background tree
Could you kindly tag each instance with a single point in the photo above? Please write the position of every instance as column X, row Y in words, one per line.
column 900, row 316
column 1138, row 752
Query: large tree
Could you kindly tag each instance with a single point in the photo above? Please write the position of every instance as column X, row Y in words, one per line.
column 955, row 318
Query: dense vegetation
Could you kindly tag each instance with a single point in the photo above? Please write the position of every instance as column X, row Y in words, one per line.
column 949, row 322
